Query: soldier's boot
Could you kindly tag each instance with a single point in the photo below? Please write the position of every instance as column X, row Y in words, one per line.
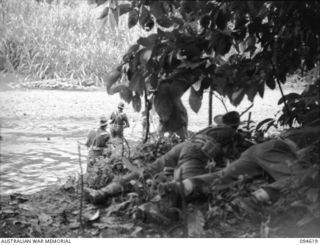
column 101, row 195
column 163, row 208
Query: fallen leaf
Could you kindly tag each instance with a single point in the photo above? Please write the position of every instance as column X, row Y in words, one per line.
column 313, row 194
column 7, row 211
column 95, row 216
column 305, row 220
column 101, row 225
column 27, row 207
column 74, row 225
column 109, row 233
column 45, row 219
column 136, row 231
column 196, row 223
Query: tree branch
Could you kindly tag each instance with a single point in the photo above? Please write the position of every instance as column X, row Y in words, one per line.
column 222, row 101
column 210, row 106
column 81, row 191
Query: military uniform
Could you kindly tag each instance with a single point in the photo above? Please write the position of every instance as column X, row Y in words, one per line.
column 190, row 158
column 97, row 142
column 118, row 121
column 278, row 158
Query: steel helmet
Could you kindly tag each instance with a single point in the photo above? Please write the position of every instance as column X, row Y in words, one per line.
column 121, row 105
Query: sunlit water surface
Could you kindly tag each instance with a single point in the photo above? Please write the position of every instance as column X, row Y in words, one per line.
column 40, row 130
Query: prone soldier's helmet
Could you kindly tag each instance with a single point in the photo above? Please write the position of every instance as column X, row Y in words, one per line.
column 231, row 119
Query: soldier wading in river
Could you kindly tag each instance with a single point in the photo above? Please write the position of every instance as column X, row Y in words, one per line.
column 98, row 142
column 118, row 121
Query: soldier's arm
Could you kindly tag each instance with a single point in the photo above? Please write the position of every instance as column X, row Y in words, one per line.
column 112, row 118
column 90, row 138
column 126, row 121
column 106, row 139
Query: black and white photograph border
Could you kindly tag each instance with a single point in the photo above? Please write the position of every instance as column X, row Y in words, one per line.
column 159, row 119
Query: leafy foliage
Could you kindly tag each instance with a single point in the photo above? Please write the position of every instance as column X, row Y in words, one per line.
column 238, row 47
column 303, row 108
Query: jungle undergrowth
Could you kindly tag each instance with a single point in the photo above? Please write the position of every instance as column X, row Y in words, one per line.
column 37, row 215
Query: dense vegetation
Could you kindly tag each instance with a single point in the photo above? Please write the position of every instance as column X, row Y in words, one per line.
column 63, row 41
column 234, row 48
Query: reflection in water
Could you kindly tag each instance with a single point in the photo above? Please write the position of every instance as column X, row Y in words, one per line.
column 32, row 161
column 29, row 163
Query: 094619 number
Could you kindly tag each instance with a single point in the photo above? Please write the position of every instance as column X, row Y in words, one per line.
column 309, row 240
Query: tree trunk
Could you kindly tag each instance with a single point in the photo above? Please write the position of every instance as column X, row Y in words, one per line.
column 146, row 102
column 210, row 106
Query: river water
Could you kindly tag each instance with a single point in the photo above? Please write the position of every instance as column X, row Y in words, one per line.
column 40, row 130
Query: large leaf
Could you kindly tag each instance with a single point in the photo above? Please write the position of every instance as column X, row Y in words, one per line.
column 251, row 92
column 221, row 43
column 133, row 18
column 195, row 100
column 197, row 85
column 261, row 89
column 113, row 77
column 113, row 19
column 219, row 82
column 136, row 103
column 156, row 9
column 137, row 83
column 126, row 95
column 221, row 20
column 144, row 16
column 149, row 41
column 115, row 13
column 260, row 124
column 191, row 51
column 124, row 8
column 250, row 43
column 270, row 82
column 145, row 55
column 165, row 22
column 289, row 97
column 237, row 96
column 98, row 2
column 134, row 48
column 153, row 81
column 104, row 13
